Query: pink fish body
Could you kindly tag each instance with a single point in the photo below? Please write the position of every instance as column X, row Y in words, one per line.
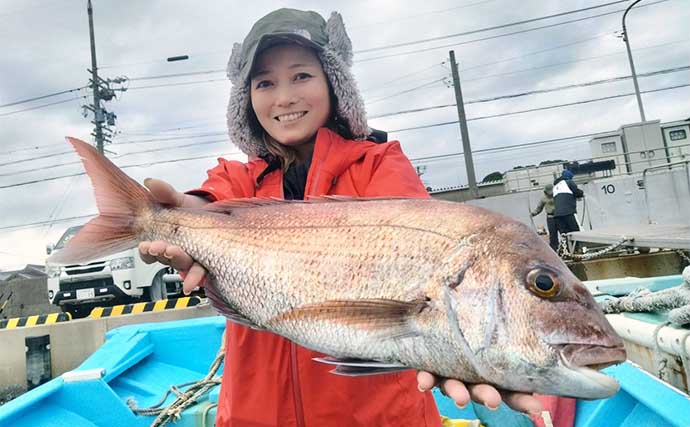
column 381, row 285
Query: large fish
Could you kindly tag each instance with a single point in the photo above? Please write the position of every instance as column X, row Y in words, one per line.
column 380, row 285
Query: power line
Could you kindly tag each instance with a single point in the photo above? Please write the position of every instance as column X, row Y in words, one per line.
column 536, row 109
column 498, row 35
column 41, row 106
column 121, row 167
column 427, row 49
column 508, row 147
column 538, row 91
column 495, row 27
column 168, row 76
column 76, row 162
column 45, row 156
column 178, row 84
column 23, row 101
column 422, row 86
column 407, row 18
column 43, row 223
column 584, row 59
column 170, row 138
column 404, row 76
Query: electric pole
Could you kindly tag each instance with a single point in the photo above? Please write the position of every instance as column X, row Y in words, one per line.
column 626, row 39
column 464, row 134
column 101, row 92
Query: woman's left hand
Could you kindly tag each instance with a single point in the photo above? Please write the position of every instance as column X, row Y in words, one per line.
column 484, row 394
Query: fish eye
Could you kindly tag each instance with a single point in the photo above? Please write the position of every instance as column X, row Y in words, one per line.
column 542, row 283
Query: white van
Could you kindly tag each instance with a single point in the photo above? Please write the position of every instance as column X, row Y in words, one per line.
column 116, row 279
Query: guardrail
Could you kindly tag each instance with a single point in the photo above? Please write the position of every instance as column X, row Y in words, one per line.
column 517, row 187
column 685, row 164
column 143, row 307
column 36, row 320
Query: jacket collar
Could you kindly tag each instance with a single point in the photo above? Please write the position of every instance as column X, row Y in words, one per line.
column 332, row 156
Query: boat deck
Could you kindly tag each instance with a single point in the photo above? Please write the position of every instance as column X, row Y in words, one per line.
column 669, row 236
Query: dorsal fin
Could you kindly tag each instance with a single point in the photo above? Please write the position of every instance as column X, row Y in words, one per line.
column 227, row 206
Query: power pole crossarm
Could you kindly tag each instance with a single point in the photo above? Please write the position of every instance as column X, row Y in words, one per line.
column 464, row 133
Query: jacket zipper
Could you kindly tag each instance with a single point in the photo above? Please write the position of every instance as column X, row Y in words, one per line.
column 294, row 369
column 296, row 390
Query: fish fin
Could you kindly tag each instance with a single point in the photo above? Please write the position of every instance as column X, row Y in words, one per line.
column 389, row 317
column 221, row 306
column 120, row 201
column 227, row 206
column 360, row 367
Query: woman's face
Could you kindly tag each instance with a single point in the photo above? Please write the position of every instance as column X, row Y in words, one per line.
column 290, row 95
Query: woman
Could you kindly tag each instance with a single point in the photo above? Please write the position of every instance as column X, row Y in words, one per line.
column 296, row 112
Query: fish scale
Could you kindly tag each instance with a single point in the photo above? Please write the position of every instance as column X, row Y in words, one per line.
column 381, row 285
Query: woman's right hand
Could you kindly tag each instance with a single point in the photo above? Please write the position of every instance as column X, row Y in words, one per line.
column 165, row 253
column 483, row 394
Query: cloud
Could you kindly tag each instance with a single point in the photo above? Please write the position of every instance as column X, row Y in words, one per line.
column 49, row 52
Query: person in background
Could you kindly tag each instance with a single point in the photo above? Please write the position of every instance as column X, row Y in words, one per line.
column 547, row 204
column 565, row 195
column 296, row 112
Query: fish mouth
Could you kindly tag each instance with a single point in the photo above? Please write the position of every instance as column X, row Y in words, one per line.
column 591, row 356
column 585, row 361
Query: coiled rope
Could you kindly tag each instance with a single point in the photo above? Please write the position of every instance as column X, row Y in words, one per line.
column 185, row 399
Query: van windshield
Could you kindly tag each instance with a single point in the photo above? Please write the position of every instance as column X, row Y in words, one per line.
column 67, row 236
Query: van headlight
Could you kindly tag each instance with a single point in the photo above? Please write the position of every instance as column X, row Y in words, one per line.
column 122, row 263
column 53, row 271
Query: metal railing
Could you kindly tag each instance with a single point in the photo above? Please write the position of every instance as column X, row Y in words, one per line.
column 685, row 164
column 626, row 163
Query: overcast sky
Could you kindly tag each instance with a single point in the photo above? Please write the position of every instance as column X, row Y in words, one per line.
column 45, row 50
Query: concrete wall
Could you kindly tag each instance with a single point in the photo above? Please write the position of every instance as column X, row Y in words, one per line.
column 29, row 297
column 72, row 342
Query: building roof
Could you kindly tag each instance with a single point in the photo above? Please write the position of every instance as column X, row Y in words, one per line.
column 31, row 271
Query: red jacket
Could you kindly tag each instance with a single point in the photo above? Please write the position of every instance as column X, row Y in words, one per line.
column 270, row 381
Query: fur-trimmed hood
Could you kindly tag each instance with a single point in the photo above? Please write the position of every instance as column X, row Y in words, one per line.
column 336, row 59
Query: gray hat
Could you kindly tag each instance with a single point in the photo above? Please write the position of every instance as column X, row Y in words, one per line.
column 334, row 49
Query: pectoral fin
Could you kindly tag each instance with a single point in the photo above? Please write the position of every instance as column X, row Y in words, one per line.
column 360, row 367
column 390, row 318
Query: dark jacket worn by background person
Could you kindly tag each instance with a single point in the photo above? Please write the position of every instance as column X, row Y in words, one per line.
column 565, row 193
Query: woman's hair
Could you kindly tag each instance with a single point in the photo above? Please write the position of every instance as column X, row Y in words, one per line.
column 334, row 50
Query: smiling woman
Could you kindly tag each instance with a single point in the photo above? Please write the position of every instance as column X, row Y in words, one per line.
column 295, row 110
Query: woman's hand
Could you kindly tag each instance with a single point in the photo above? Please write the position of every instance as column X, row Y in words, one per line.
column 160, row 251
column 481, row 393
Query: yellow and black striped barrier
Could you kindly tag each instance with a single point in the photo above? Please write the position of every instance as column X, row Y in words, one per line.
column 143, row 307
column 39, row 319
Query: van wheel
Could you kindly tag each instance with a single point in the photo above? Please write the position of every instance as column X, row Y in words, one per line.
column 157, row 290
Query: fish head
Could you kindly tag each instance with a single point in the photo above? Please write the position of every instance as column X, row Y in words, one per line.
column 532, row 324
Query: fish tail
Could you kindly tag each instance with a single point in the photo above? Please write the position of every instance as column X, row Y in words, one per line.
column 121, row 201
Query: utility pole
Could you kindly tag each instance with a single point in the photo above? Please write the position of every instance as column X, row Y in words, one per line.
column 632, row 65
column 95, row 86
column 467, row 150
column 101, row 92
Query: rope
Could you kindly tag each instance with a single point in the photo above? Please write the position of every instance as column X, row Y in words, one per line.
column 682, row 255
column 563, row 250
column 197, row 389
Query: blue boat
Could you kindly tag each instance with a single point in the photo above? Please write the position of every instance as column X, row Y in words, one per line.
column 139, row 363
